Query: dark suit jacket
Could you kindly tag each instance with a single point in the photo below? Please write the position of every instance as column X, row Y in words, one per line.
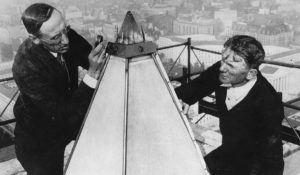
column 251, row 130
column 51, row 106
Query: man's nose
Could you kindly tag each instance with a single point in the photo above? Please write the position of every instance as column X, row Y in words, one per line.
column 64, row 39
column 223, row 67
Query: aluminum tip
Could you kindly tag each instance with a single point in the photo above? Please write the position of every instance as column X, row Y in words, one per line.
column 129, row 33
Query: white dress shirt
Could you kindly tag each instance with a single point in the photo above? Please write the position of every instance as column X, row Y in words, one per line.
column 88, row 80
column 237, row 94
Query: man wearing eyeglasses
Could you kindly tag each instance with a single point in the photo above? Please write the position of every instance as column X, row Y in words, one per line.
column 250, row 111
column 51, row 105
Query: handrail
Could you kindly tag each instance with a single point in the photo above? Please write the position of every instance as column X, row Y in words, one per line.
column 6, row 122
column 281, row 64
column 293, row 100
column 219, row 53
column 287, row 132
column 205, row 50
column 6, row 79
column 171, row 46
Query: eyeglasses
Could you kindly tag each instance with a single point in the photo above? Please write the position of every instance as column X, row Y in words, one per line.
column 57, row 38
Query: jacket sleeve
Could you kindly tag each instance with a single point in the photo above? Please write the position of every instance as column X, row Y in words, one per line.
column 81, row 49
column 268, row 156
column 46, row 101
column 201, row 86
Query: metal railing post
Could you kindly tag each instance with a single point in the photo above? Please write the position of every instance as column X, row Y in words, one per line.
column 189, row 59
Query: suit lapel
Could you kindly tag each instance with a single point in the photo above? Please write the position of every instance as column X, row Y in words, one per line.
column 249, row 98
column 221, row 96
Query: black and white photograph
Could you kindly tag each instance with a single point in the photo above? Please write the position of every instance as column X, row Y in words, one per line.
column 149, row 87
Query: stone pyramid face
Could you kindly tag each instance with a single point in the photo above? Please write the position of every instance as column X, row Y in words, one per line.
column 134, row 125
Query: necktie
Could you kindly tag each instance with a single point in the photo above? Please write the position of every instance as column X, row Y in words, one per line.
column 59, row 58
column 62, row 62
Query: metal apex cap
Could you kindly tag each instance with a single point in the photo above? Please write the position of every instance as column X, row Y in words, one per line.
column 130, row 33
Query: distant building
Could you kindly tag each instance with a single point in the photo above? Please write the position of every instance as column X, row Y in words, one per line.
column 268, row 29
column 282, row 1
column 290, row 57
column 278, row 77
column 17, row 32
column 159, row 9
column 163, row 22
column 188, row 25
column 271, row 50
column 4, row 36
column 74, row 17
column 296, row 45
column 5, row 70
column 288, row 6
column 109, row 30
column 227, row 17
column 72, row 12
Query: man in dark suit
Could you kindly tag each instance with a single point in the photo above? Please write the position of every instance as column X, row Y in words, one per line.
column 250, row 111
column 51, row 105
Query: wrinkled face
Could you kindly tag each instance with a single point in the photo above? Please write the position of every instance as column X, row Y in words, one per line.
column 54, row 33
column 234, row 69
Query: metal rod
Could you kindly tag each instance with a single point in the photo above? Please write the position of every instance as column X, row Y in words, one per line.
column 2, row 123
column 125, row 130
column 189, row 60
column 12, row 98
column 8, row 131
column 294, row 130
column 281, row 64
column 205, row 50
column 200, row 118
column 264, row 61
column 176, row 45
column 293, row 100
column 196, row 57
column 7, row 79
column 291, row 106
column 176, row 61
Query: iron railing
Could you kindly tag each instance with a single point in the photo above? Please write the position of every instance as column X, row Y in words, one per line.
column 290, row 134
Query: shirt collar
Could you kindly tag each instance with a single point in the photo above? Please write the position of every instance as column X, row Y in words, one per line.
column 240, row 91
column 54, row 54
column 228, row 85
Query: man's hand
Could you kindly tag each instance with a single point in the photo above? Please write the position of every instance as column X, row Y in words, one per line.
column 185, row 107
column 175, row 84
column 96, row 57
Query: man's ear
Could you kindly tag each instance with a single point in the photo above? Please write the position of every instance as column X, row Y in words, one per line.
column 34, row 39
column 251, row 74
